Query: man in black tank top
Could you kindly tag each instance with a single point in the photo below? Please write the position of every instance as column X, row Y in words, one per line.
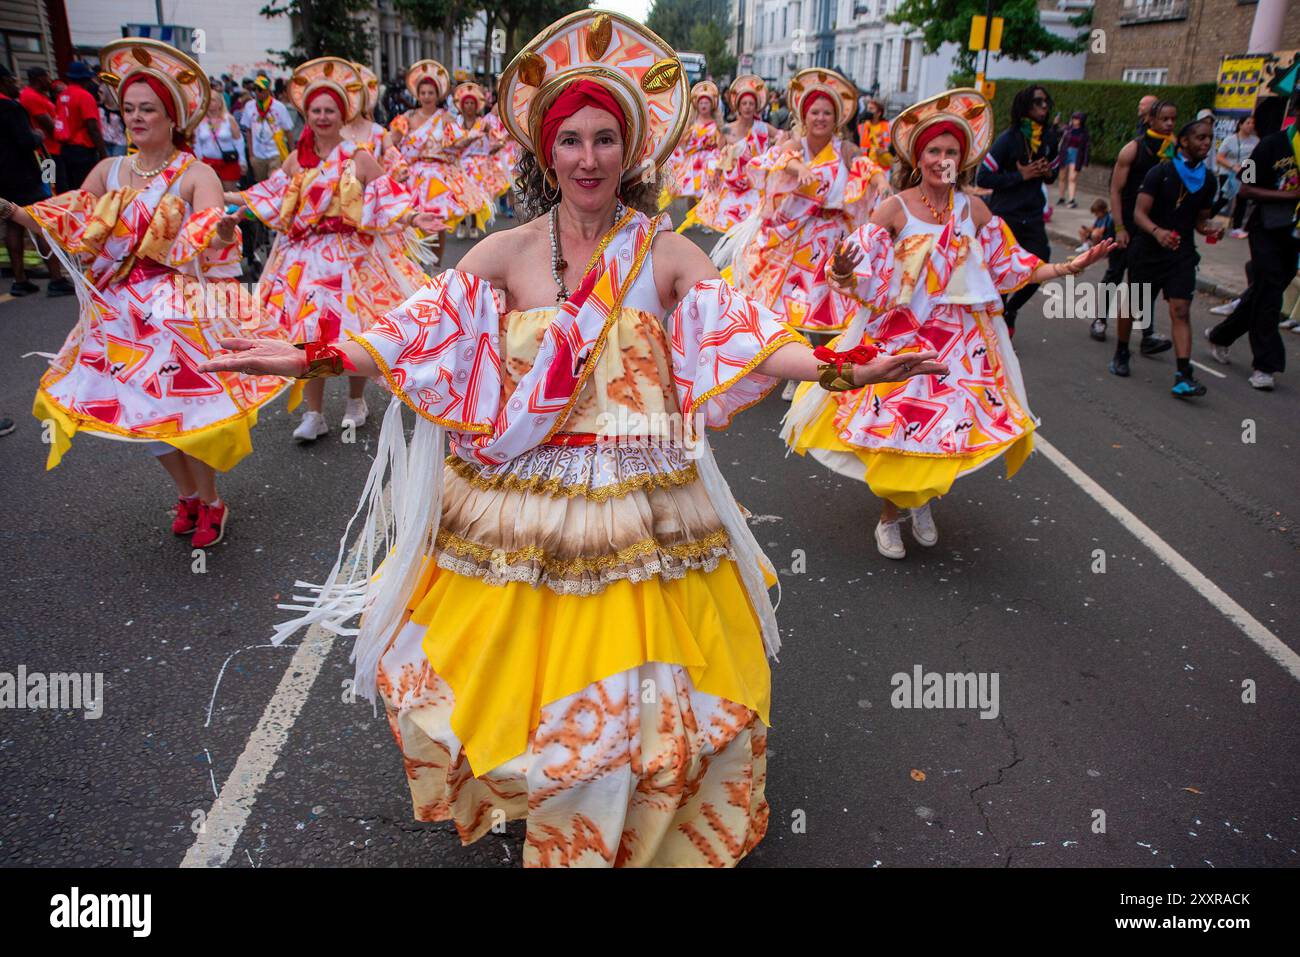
column 1135, row 160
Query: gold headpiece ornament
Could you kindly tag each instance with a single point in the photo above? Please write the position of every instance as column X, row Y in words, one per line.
column 843, row 94
column 370, row 82
column 472, row 90
column 746, row 83
column 965, row 107
column 328, row 72
column 636, row 67
column 428, row 70
column 182, row 77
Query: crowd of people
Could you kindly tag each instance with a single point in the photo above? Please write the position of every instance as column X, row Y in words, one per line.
column 573, row 363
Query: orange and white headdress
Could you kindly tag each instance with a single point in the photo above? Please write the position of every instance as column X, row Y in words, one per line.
column 471, row 90
column 808, row 85
column 598, row 56
column 964, row 113
column 371, row 84
column 705, row 88
column 328, row 74
column 422, row 70
column 166, row 69
column 746, row 84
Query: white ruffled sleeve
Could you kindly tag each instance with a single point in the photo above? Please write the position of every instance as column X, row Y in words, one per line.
column 719, row 336
column 440, row 352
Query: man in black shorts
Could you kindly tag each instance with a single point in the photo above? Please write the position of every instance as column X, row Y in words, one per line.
column 1135, row 160
column 1174, row 203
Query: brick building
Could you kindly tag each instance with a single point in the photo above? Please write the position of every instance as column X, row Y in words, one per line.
column 1163, row 42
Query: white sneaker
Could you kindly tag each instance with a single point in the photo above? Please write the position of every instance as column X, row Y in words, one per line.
column 312, row 427
column 1227, row 309
column 1261, row 380
column 1291, row 324
column 923, row 527
column 1220, row 353
column 889, row 540
column 788, row 392
column 355, row 414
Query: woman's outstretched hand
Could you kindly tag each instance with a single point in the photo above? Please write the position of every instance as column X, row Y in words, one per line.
column 885, row 368
column 258, row 357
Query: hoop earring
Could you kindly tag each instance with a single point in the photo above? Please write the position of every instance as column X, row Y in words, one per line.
column 916, row 176
column 546, row 181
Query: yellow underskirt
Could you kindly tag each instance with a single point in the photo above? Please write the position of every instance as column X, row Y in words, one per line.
column 220, row 445
column 905, row 479
column 509, row 650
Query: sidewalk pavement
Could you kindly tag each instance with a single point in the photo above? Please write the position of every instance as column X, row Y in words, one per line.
column 1222, row 270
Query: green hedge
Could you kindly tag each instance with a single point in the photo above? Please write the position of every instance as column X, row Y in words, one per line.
column 1111, row 107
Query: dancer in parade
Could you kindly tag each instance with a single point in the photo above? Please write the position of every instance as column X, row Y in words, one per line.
column 425, row 136
column 219, row 142
column 695, row 156
column 327, row 274
column 154, row 257
column 814, row 194
column 873, row 134
column 928, row 272
column 570, row 625
column 362, row 128
column 733, row 191
column 477, row 138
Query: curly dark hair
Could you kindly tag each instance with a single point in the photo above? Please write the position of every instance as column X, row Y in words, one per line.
column 533, row 198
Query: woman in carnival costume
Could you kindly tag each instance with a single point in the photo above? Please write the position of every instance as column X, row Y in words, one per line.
column 694, row 157
column 816, row 190
column 425, row 137
column 362, row 128
column 155, row 259
column 570, row 623
column 478, row 137
column 733, row 188
column 330, row 271
column 928, row 273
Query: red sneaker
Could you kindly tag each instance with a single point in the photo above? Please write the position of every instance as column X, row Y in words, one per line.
column 212, row 524
column 187, row 515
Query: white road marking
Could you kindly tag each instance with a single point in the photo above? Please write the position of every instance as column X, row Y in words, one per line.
column 1255, row 630
column 1221, row 375
column 229, row 813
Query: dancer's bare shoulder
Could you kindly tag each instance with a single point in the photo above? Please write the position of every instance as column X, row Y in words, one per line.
column 506, row 252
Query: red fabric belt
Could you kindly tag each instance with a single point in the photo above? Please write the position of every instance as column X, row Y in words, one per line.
column 572, row 438
column 331, row 224
column 146, row 269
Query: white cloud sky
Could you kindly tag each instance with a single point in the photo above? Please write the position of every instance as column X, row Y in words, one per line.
column 636, row 9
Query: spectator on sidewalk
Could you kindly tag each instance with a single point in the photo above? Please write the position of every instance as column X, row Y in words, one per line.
column 20, row 175
column 37, row 98
column 1233, row 153
column 1274, row 247
column 76, row 125
column 110, row 121
column 1175, row 203
column 1137, row 158
column 1019, row 165
column 1103, row 226
column 1074, row 157
column 1144, row 114
column 267, row 124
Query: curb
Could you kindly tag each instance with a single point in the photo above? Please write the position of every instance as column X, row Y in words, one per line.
column 1202, row 285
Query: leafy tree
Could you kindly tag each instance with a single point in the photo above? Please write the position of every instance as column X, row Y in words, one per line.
column 328, row 28
column 443, row 17
column 1023, row 35
column 702, row 26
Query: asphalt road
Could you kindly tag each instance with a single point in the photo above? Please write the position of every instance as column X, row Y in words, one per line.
column 1120, row 693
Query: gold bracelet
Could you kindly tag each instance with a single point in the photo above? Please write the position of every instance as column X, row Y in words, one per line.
column 830, row 376
column 839, row 279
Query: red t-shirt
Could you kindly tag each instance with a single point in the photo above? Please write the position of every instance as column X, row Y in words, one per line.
column 76, row 106
column 37, row 104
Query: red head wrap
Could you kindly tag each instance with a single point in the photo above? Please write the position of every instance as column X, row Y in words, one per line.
column 748, row 93
column 307, row 157
column 164, row 94
column 575, row 96
column 938, row 129
column 811, row 98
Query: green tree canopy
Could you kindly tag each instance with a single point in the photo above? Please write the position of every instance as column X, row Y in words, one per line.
column 327, row 28
column 1023, row 35
column 701, row 26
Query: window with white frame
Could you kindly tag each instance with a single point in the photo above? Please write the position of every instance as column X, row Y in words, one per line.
column 1149, row 77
